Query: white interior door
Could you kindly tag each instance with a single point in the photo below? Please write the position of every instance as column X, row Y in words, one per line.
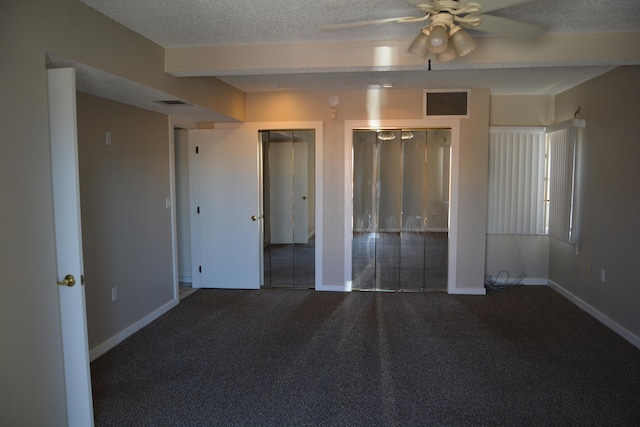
column 66, row 195
column 226, row 249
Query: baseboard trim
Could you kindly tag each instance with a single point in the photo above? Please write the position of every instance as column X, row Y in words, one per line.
column 409, row 230
column 598, row 315
column 107, row 345
column 184, row 277
column 526, row 281
column 335, row 288
column 467, row 291
column 535, row 282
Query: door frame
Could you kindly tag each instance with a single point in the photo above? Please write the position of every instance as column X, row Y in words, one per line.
column 318, row 127
column 349, row 127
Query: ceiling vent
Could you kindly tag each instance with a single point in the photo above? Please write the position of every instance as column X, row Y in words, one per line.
column 172, row 102
column 446, row 103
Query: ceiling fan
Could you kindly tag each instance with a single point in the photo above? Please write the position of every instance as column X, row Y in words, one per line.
column 444, row 35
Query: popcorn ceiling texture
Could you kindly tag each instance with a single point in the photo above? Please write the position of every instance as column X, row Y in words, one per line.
column 190, row 23
column 181, row 23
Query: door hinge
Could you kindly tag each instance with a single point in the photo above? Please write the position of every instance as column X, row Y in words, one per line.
column 198, row 209
column 200, row 269
column 197, row 149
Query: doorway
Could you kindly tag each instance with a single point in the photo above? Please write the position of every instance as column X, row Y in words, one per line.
column 401, row 180
column 182, row 218
column 288, row 199
column 226, row 172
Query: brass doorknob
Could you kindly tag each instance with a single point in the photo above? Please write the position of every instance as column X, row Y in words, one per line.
column 253, row 217
column 304, row 197
column 69, row 280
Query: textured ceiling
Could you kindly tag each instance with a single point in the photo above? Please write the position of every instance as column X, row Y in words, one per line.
column 197, row 23
column 183, row 23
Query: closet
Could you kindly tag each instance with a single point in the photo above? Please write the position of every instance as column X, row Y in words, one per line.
column 401, row 209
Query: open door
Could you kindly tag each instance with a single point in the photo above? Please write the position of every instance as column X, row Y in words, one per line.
column 66, row 198
column 224, row 186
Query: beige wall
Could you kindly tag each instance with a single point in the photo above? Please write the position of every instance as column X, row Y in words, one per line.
column 522, row 110
column 32, row 388
column 609, row 188
column 509, row 256
column 387, row 105
column 126, row 227
column 80, row 33
column 522, row 254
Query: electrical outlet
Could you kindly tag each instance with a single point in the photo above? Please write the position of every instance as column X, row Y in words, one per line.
column 114, row 294
column 602, row 272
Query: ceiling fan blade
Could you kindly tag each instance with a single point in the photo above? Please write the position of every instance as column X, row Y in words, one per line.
column 509, row 27
column 332, row 27
column 491, row 5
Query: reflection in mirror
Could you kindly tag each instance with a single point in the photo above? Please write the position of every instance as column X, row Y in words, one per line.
column 400, row 209
column 289, row 208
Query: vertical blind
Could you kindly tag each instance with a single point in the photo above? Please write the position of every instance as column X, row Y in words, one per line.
column 516, row 180
column 562, row 151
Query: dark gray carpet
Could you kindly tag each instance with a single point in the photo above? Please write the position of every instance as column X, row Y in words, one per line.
column 525, row 356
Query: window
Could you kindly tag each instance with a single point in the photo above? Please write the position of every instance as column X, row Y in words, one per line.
column 516, row 180
column 563, row 146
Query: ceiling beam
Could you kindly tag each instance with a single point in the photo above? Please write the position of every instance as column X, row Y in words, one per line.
column 492, row 52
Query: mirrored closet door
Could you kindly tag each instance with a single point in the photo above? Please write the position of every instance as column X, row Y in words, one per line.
column 400, row 209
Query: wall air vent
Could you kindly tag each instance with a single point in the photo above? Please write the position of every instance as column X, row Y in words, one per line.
column 171, row 102
column 446, row 103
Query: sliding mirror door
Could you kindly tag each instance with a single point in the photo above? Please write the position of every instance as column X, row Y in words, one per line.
column 400, row 209
column 289, row 208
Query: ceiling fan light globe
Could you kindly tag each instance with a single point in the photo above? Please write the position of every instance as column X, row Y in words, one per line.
column 463, row 42
column 420, row 46
column 438, row 39
column 447, row 55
